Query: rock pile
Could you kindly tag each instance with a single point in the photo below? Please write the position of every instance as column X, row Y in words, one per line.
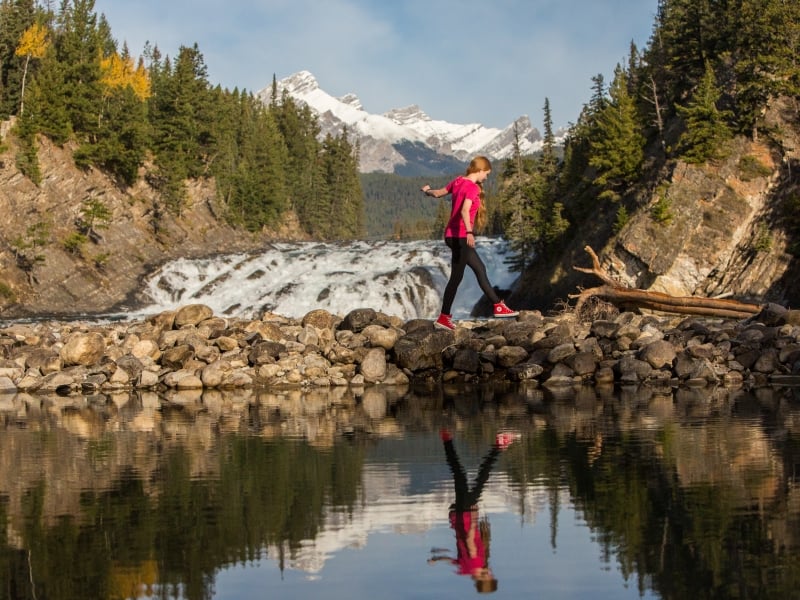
column 191, row 348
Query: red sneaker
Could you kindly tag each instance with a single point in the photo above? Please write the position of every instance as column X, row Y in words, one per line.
column 444, row 322
column 505, row 438
column 501, row 310
column 445, row 434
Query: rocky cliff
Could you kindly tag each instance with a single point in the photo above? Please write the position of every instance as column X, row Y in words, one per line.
column 720, row 229
column 104, row 272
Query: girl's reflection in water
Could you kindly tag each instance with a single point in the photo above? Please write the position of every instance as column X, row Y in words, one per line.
column 472, row 531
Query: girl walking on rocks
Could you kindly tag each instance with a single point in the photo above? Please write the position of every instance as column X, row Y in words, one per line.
column 468, row 213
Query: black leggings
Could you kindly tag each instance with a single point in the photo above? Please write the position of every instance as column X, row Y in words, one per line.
column 466, row 496
column 463, row 257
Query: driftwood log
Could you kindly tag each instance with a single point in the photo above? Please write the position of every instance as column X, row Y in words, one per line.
column 627, row 298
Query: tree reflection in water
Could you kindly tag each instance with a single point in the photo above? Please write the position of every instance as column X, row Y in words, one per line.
column 692, row 493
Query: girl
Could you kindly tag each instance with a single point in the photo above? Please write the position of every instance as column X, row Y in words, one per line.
column 467, row 214
column 472, row 532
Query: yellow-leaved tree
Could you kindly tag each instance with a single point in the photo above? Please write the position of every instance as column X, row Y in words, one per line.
column 32, row 44
column 119, row 72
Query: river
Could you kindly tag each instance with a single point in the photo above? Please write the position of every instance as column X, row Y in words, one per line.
column 347, row 493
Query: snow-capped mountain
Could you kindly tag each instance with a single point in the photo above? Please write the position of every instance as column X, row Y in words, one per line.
column 405, row 140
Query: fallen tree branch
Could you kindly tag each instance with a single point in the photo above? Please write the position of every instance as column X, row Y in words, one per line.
column 624, row 297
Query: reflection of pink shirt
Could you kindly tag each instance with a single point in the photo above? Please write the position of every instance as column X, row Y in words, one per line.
column 461, row 522
column 460, row 189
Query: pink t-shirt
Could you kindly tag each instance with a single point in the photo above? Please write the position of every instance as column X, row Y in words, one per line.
column 461, row 523
column 460, row 189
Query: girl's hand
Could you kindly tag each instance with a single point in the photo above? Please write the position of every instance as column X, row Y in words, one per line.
column 426, row 188
column 470, row 240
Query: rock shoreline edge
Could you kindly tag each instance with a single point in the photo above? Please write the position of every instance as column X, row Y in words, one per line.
column 191, row 348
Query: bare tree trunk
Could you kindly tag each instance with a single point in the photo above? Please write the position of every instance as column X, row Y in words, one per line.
column 624, row 297
column 22, row 88
column 657, row 106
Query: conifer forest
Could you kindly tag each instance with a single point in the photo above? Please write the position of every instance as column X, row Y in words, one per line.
column 64, row 76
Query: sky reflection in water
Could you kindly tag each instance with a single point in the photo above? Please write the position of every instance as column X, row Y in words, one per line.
column 606, row 494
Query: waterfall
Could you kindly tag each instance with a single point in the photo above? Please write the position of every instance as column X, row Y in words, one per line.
column 399, row 278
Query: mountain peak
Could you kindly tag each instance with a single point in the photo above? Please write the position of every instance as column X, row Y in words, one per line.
column 405, row 139
column 351, row 100
column 300, row 83
column 409, row 114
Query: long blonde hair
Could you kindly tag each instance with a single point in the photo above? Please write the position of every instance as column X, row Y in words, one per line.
column 479, row 163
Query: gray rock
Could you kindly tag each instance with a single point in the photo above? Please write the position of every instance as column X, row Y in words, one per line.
column 192, row 314
column 508, row 356
column 83, row 349
column 356, row 320
column 658, row 354
column 373, row 365
column 6, row 385
column 561, row 352
column 583, row 363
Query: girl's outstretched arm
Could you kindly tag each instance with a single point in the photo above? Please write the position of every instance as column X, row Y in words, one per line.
column 436, row 193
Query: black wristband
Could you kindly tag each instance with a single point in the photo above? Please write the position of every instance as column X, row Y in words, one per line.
column 469, row 232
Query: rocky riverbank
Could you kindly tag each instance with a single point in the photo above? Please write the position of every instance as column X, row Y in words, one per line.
column 191, row 348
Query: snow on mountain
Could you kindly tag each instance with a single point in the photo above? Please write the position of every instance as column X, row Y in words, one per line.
column 405, row 140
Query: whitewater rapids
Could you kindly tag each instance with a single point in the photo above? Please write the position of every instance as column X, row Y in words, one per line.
column 399, row 278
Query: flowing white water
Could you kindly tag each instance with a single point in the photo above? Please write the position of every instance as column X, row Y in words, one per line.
column 404, row 279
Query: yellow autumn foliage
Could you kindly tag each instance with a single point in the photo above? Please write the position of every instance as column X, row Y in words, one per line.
column 33, row 42
column 119, row 72
column 136, row 581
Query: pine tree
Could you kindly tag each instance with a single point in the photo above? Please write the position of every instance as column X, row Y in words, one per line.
column 181, row 117
column 706, row 129
column 533, row 219
column 689, row 33
column 765, row 63
column 78, row 46
column 257, row 193
column 617, row 148
column 549, row 159
column 299, row 128
column 122, row 137
column 577, row 142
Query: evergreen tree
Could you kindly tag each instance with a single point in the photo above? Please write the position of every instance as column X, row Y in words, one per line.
column 78, row 45
column 617, row 148
column 122, row 136
column 706, row 129
column 549, row 159
column 181, row 121
column 515, row 203
column 300, row 131
column 765, row 56
column 533, row 219
column 577, row 142
column 229, row 117
column 257, row 193
column 346, row 208
column 689, row 32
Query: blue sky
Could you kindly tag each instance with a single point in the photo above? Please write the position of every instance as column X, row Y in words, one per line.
column 463, row 61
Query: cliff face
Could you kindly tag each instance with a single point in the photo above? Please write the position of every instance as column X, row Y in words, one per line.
column 103, row 274
column 721, row 229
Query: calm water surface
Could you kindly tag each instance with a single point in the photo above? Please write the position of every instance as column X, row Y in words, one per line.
column 356, row 494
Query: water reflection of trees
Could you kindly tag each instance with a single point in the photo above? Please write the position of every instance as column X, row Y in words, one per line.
column 692, row 493
column 167, row 502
